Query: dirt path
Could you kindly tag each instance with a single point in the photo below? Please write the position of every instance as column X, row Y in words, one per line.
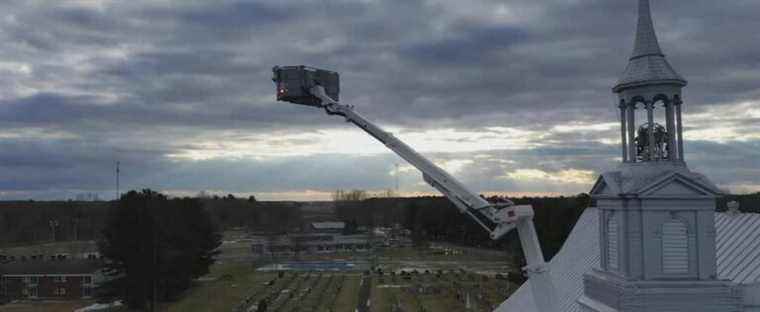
column 364, row 292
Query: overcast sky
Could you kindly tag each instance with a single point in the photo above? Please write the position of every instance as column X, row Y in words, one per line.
column 511, row 96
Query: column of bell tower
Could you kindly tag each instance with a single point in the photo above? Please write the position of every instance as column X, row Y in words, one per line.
column 656, row 217
column 656, row 142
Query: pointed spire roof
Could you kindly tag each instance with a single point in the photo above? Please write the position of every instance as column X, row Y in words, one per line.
column 646, row 38
column 647, row 64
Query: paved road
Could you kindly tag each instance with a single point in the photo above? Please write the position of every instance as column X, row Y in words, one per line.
column 364, row 292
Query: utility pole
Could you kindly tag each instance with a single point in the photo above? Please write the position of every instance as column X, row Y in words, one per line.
column 118, row 194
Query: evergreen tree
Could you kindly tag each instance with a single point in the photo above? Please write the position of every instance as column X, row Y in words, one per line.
column 155, row 246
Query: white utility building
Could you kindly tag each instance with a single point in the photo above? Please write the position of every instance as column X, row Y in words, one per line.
column 654, row 241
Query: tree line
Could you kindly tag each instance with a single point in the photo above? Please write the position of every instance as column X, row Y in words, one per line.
column 29, row 222
column 26, row 222
column 437, row 219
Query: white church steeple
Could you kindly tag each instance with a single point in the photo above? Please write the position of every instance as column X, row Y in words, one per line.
column 656, row 217
column 650, row 83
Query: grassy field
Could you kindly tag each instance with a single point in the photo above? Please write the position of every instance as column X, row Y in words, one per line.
column 348, row 296
column 227, row 285
column 232, row 285
column 427, row 254
column 238, row 285
column 324, row 292
column 430, row 292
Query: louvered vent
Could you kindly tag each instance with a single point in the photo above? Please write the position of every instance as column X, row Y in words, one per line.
column 675, row 248
column 612, row 243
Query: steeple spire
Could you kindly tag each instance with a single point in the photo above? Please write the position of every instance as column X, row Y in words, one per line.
column 646, row 38
column 647, row 64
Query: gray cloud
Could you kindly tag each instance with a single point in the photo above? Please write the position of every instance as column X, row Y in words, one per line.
column 144, row 81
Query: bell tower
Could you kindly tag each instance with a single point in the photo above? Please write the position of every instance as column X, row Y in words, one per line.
column 656, row 217
column 650, row 83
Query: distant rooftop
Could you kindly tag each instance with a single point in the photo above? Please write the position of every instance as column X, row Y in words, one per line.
column 328, row 225
column 49, row 267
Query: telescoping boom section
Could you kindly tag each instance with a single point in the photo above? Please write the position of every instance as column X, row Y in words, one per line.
column 305, row 85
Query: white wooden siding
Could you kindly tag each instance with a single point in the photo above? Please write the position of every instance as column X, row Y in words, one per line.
column 675, row 248
column 612, row 243
column 737, row 246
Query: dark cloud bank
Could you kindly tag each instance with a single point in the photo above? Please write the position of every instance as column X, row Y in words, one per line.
column 82, row 86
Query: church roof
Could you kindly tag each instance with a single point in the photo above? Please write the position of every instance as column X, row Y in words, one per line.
column 654, row 180
column 737, row 251
column 647, row 64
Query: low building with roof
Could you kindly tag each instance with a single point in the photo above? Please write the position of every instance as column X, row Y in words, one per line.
column 313, row 243
column 328, row 227
column 40, row 279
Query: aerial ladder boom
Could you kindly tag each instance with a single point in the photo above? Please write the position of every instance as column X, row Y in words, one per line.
column 496, row 218
column 467, row 201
